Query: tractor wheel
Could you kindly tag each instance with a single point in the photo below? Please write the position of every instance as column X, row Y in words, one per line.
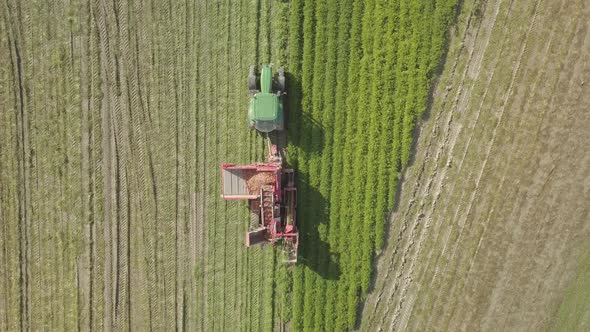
column 281, row 80
column 252, row 86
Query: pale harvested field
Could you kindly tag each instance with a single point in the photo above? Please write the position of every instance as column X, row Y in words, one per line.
column 494, row 215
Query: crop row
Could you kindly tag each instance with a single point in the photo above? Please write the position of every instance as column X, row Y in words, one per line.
column 365, row 69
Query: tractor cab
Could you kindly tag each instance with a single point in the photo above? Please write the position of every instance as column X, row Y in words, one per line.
column 265, row 111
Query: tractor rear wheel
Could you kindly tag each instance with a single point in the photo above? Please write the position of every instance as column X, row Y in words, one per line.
column 252, row 81
column 281, row 80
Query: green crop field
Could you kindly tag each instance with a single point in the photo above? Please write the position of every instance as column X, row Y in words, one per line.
column 365, row 69
column 116, row 115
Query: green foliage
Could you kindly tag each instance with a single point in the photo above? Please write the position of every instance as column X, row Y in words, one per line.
column 363, row 71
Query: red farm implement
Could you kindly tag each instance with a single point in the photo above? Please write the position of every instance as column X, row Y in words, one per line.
column 271, row 190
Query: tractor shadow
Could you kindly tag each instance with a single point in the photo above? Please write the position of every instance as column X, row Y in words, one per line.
column 305, row 136
column 304, row 132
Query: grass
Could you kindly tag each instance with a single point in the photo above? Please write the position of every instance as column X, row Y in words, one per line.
column 574, row 311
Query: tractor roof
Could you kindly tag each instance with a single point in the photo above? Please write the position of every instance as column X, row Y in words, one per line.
column 265, row 106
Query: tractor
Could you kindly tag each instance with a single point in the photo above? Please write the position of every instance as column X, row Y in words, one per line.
column 265, row 112
column 268, row 186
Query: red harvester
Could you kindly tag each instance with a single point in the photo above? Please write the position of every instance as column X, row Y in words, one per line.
column 271, row 190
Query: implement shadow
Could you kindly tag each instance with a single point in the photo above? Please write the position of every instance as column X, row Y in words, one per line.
column 314, row 251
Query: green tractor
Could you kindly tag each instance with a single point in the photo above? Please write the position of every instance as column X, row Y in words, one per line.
column 265, row 112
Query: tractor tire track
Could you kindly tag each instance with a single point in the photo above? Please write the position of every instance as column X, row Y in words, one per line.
column 119, row 231
column 207, row 222
column 107, row 139
column 17, row 53
column 97, row 269
column 146, row 91
column 146, row 181
column 142, row 201
column 86, row 273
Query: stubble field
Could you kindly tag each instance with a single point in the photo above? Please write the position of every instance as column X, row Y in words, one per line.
column 114, row 122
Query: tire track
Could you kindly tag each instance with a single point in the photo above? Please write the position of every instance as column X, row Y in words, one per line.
column 99, row 178
column 192, row 247
column 179, row 12
column 167, row 127
column 222, row 89
column 16, row 55
column 206, row 143
column 213, row 121
column 150, row 229
column 230, row 278
column 185, row 177
column 37, row 189
column 141, row 203
column 145, row 178
column 107, row 178
column 124, row 233
column 9, row 187
column 201, row 230
column 242, row 263
column 86, row 302
column 118, row 273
